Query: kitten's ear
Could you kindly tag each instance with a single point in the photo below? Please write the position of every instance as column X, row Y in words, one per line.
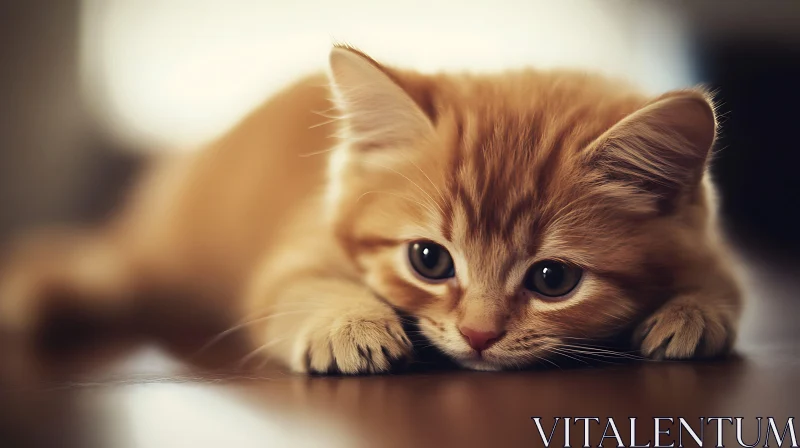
column 662, row 148
column 377, row 110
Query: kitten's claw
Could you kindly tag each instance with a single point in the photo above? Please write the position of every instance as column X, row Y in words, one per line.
column 682, row 329
column 355, row 346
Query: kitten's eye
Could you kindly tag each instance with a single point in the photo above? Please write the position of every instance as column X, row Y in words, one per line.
column 430, row 260
column 552, row 278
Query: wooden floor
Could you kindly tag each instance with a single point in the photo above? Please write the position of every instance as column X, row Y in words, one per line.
column 131, row 393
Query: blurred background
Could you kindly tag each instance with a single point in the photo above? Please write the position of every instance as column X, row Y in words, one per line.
column 90, row 90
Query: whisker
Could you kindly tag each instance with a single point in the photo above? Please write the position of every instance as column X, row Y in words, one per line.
column 595, row 351
column 414, row 183
column 544, row 358
column 241, row 326
column 564, row 353
column 599, row 348
column 260, row 349
column 441, row 195
column 316, row 153
column 326, row 113
column 332, row 120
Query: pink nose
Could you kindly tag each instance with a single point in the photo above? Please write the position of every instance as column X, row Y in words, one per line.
column 480, row 340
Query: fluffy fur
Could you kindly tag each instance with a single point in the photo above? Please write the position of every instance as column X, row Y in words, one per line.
column 304, row 237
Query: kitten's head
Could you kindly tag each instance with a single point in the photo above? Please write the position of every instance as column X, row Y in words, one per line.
column 518, row 215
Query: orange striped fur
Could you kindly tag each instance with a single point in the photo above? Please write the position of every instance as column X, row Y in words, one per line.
column 304, row 238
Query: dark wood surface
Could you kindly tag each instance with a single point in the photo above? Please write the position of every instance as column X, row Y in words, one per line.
column 128, row 392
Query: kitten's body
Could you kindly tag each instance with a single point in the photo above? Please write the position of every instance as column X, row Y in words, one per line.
column 305, row 240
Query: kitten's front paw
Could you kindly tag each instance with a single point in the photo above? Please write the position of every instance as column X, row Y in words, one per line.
column 354, row 345
column 683, row 329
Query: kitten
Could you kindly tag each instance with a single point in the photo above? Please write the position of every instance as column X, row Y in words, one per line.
column 516, row 216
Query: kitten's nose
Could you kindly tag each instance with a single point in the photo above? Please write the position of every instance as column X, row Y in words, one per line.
column 480, row 340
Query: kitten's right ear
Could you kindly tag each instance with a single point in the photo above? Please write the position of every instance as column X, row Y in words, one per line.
column 378, row 112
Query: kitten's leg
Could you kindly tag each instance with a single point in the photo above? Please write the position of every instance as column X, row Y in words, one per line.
column 88, row 275
column 319, row 324
column 698, row 323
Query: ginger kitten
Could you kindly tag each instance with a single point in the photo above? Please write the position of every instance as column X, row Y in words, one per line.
column 515, row 216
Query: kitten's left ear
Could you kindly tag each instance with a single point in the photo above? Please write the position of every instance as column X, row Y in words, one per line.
column 378, row 111
column 661, row 149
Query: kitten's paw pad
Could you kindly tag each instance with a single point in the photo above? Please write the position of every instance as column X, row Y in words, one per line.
column 682, row 330
column 355, row 346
